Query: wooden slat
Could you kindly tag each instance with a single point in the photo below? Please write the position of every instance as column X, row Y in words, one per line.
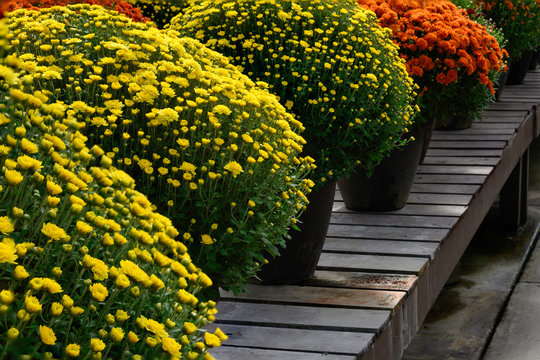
column 463, row 152
column 306, row 317
column 453, row 136
column 351, row 298
column 442, row 160
column 383, row 232
column 243, row 353
column 509, row 105
column 443, row 199
column 493, row 125
column 381, row 247
column 454, row 169
column 305, row 340
column 415, row 209
column 522, row 97
column 500, row 118
column 445, row 188
column 369, row 263
column 441, row 144
column 450, row 199
column 478, row 129
column 363, row 280
column 393, row 220
column 449, row 179
column 432, row 197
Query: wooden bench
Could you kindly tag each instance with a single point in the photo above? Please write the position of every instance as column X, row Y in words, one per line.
column 380, row 273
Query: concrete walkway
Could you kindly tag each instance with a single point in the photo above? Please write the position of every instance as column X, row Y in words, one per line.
column 517, row 336
column 493, row 312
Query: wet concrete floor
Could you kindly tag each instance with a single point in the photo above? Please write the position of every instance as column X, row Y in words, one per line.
column 493, row 311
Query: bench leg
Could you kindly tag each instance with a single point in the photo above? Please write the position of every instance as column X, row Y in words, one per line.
column 513, row 196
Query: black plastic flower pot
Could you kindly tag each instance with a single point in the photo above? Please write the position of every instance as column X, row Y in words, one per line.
column 427, row 130
column 390, row 184
column 297, row 262
column 534, row 59
column 500, row 85
column 519, row 68
column 459, row 122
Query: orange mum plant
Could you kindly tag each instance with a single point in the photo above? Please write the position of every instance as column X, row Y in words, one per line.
column 452, row 58
column 519, row 21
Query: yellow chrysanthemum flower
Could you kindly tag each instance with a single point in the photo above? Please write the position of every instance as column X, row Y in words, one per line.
column 8, row 252
column 99, row 291
column 47, row 335
column 6, row 226
column 73, row 350
column 53, row 232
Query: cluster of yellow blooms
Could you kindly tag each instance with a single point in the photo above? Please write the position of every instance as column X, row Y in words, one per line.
column 214, row 151
column 328, row 60
column 86, row 262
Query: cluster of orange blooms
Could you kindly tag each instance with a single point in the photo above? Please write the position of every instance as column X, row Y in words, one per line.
column 437, row 39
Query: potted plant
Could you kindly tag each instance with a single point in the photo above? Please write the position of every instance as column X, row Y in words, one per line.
column 332, row 66
column 212, row 150
column 474, row 11
column 453, row 59
column 520, row 23
column 88, row 268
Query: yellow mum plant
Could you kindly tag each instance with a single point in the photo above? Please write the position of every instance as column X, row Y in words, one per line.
column 88, row 268
column 214, row 151
column 330, row 63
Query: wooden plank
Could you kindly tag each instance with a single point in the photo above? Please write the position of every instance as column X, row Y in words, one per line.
column 442, row 160
column 453, row 136
column 441, row 144
column 363, row 280
column 392, row 220
column 381, row 247
column 493, row 125
column 522, row 97
column 449, row 179
column 372, row 263
column 302, row 317
column 454, row 169
column 504, row 113
column 415, row 209
column 450, row 199
column 470, row 153
column 515, row 119
column 244, row 353
column 384, row 232
column 443, row 199
column 507, row 107
column 321, row 341
column 445, row 188
column 476, row 129
column 312, row 295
